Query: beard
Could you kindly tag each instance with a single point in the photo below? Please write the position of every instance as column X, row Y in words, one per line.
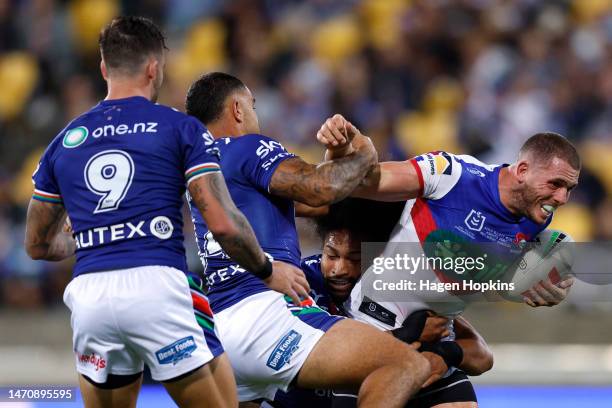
column 525, row 199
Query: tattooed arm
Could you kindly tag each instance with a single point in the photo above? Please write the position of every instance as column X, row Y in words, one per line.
column 45, row 237
column 327, row 182
column 229, row 226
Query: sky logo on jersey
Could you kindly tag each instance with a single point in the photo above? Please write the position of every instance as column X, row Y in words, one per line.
column 75, row 137
column 177, row 351
column 283, row 351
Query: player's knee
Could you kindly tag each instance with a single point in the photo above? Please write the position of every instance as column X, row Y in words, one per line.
column 417, row 365
column 411, row 364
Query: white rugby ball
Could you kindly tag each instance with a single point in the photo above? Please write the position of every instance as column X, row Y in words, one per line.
column 551, row 256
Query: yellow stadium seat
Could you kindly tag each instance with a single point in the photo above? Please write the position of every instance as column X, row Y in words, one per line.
column 18, row 76
column 88, row 17
column 576, row 220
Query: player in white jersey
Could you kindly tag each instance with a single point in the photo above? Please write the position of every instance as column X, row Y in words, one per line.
column 461, row 199
column 120, row 171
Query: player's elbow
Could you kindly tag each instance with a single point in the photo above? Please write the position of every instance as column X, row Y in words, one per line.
column 223, row 229
column 36, row 252
column 317, row 200
column 483, row 363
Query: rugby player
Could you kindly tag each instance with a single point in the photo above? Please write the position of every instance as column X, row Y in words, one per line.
column 119, row 172
column 271, row 341
column 470, row 201
column 334, row 273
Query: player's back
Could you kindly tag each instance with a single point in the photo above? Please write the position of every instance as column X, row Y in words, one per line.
column 120, row 171
column 248, row 164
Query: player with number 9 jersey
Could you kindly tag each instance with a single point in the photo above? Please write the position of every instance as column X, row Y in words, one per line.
column 120, row 171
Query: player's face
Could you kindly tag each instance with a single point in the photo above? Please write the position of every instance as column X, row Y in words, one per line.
column 246, row 101
column 547, row 187
column 341, row 263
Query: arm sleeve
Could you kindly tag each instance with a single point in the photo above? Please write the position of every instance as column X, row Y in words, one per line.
column 438, row 173
column 261, row 156
column 200, row 156
column 46, row 187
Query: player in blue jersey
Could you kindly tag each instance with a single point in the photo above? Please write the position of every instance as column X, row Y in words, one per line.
column 333, row 274
column 271, row 341
column 119, row 172
column 462, row 199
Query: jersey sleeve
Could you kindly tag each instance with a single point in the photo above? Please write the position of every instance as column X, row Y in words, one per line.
column 261, row 156
column 200, row 156
column 46, row 187
column 438, row 173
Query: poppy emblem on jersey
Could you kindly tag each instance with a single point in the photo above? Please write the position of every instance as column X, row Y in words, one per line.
column 75, row 137
column 475, row 220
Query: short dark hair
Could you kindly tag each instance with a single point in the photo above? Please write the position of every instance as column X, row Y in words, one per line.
column 547, row 145
column 370, row 221
column 126, row 42
column 206, row 96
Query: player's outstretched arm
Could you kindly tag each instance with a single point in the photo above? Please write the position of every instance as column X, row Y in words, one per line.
column 327, row 182
column 390, row 181
column 235, row 235
column 45, row 235
column 477, row 356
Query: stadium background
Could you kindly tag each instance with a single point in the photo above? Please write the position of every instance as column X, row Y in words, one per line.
column 467, row 76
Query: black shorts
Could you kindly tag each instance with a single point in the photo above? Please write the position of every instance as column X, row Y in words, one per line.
column 454, row 388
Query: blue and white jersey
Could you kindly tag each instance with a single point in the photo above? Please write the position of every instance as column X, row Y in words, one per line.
column 460, row 195
column 120, row 170
column 248, row 164
column 459, row 201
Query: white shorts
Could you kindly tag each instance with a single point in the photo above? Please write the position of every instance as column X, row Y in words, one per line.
column 125, row 318
column 268, row 339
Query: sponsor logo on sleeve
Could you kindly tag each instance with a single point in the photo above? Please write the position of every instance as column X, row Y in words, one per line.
column 177, row 351
column 283, row 351
column 440, row 163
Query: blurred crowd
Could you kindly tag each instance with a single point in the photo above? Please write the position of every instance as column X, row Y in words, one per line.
column 467, row 76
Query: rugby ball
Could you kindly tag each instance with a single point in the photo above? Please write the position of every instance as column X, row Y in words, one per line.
column 550, row 256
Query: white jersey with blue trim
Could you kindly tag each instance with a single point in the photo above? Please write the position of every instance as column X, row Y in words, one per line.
column 120, row 170
column 459, row 201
